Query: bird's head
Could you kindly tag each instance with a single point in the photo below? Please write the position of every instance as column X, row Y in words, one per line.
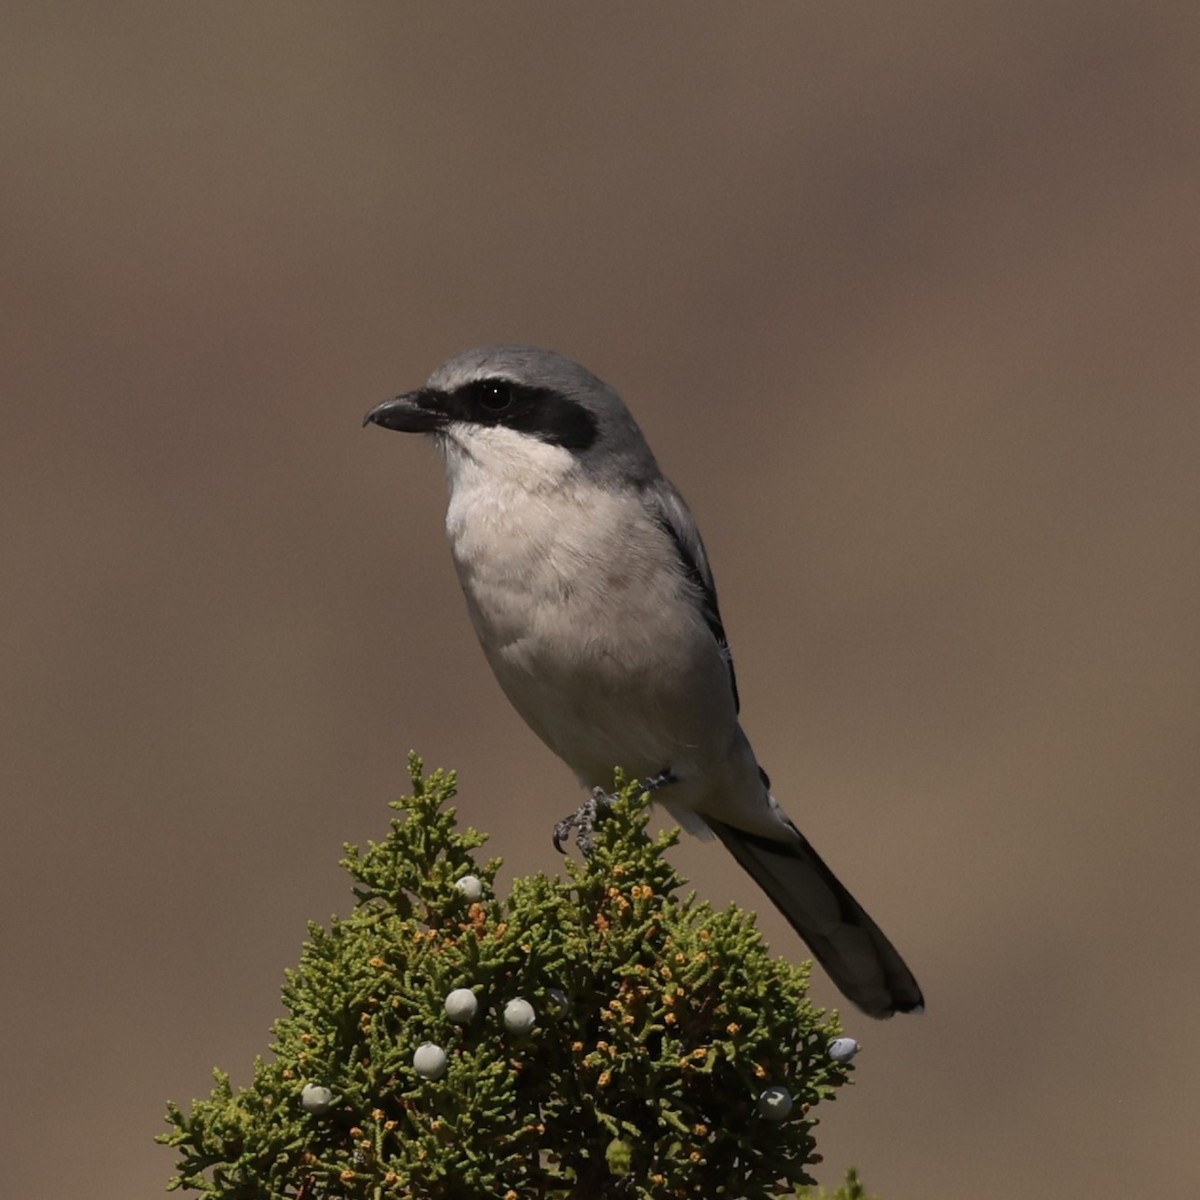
column 518, row 408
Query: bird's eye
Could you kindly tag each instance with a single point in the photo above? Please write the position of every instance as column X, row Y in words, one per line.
column 494, row 395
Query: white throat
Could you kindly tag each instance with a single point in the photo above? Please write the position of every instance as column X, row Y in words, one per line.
column 501, row 459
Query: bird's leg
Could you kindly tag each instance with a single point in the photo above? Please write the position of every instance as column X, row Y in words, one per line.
column 663, row 779
column 593, row 810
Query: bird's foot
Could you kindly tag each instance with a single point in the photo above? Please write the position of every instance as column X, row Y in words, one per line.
column 583, row 821
column 594, row 809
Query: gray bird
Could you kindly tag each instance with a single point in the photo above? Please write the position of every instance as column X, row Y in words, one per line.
column 591, row 594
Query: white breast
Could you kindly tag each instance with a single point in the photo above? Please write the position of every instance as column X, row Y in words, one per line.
column 583, row 611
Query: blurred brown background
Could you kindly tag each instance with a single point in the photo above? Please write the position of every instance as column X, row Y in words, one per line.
column 906, row 297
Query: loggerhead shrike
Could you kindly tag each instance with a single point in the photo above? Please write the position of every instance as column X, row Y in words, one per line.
column 588, row 586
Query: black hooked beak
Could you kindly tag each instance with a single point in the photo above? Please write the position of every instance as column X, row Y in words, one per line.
column 414, row 412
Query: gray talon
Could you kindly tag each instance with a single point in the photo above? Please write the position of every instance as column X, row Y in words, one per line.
column 593, row 810
column 583, row 821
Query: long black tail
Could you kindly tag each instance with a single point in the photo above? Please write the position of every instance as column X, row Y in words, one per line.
column 836, row 928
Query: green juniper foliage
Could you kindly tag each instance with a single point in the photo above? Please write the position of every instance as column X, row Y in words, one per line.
column 669, row 1055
